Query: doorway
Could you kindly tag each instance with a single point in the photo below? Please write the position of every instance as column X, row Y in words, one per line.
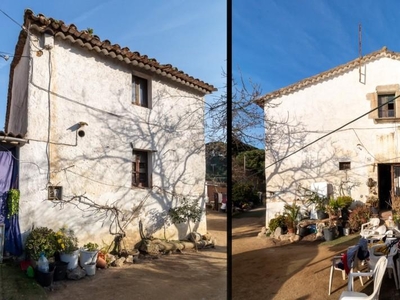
column 388, row 184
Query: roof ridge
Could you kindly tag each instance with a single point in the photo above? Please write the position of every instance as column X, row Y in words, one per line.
column 338, row 70
column 70, row 32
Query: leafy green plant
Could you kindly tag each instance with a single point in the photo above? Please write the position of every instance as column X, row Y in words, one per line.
column 333, row 207
column 344, row 201
column 396, row 217
column 244, row 193
column 291, row 212
column 279, row 221
column 91, row 246
column 358, row 216
column 187, row 211
column 13, row 202
column 41, row 239
column 319, row 201
column 66, row 241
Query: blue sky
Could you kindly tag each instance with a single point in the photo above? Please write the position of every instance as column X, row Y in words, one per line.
column 190, row 35
column 279, row 42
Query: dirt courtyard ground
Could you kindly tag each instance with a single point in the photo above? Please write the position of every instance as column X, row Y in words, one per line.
column 191, row 275
column 264, row 270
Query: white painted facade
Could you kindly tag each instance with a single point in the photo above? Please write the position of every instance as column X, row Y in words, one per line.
column 68, row 84
column 319, row 105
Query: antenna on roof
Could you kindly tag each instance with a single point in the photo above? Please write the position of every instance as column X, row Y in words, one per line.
column 361, row 75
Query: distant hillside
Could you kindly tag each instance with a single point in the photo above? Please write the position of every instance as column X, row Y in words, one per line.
column 216, row 162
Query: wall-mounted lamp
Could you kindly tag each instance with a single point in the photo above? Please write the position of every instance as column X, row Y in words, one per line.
column 6, row 57
column 81, row 124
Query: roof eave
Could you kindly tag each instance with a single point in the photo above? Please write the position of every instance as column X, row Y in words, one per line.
column 339, row 70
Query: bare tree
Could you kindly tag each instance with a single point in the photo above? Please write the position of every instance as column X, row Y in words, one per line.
column 247, row 116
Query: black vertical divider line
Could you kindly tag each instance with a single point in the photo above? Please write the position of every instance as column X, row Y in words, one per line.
column 229, row 150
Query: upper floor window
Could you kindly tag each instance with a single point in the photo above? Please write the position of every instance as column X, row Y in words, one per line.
column 141, row 168
column 386, row 110
column 141, row 91
column 382, row 109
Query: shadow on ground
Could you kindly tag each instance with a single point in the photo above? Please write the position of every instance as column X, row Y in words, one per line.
column 300, row 270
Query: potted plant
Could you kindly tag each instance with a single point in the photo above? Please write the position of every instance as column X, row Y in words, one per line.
column 291, row 212
column 333, row 209
column 40, row 240
column 88, row 254
column 319, row 203
column 102, row 257
column 346, row 228
column 343, row 203
column 67, row 246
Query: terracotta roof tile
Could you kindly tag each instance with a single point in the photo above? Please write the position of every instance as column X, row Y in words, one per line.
column 70, row 32
column 83, row 38
column 341, row 69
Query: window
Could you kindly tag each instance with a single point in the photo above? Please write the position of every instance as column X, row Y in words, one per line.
column 387, row 110
column 140, row 168
column 344, row 165
column 140, row 91
column 54, row 192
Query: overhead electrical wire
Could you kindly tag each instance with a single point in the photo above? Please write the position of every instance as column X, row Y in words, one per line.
column 12, row 19
column 331, row 132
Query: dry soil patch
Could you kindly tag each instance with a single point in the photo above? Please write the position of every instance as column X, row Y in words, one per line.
column 264, row 269
column 191, row 275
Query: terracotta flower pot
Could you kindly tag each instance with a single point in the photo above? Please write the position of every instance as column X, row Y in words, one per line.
column 101, row 262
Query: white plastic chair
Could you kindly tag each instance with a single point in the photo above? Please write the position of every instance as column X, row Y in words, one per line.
column 369, row 228
column 377, row 274
column 374, row 256
column 372, row 231
column 355, row 263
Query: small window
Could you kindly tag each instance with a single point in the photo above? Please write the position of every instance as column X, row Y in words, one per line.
column 140, row 94
column 387, row 110
column 140, row 168
column 54, row 192
column 383, row 111
column 344, row 165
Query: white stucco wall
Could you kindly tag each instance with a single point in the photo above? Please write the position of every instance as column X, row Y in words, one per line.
column 87, row 87
column 319, row 109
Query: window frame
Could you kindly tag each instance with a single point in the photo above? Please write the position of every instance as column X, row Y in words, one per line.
column 384, row 90
column 54, row 192
column 384, row 111
column 137, row 171
column 138, row 79
column 344, row 165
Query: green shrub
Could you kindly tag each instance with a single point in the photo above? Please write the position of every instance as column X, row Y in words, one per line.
column 344, row 201
column 279, row 221
column 41, row 239
column 291, row 212
column 244, row 193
